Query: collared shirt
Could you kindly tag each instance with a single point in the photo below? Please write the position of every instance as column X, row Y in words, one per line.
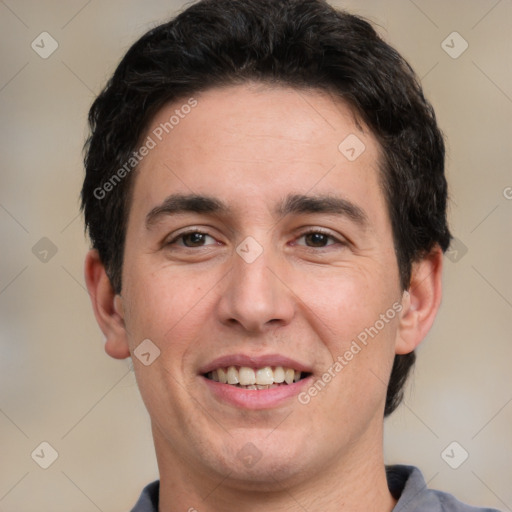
column 406, row 484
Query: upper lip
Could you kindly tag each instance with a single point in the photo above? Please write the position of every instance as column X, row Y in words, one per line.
column 254, row 361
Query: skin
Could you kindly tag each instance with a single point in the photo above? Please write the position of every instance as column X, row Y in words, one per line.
column 250, row 146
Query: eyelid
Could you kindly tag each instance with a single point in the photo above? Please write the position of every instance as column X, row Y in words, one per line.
column 335, row 241
column 323, row 231
column 338, row 239
column 172, row 239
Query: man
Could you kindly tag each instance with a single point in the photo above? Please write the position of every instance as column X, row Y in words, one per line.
column 266, row 200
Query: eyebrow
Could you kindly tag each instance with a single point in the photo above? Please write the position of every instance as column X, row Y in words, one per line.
column 296, row 203
column 191, row 203
column 324, row 204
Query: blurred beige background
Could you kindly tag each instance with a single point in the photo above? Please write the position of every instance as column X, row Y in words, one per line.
column 56, row 383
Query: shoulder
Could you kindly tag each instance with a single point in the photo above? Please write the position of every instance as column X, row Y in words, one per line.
column 148, row 500
column 407, row 484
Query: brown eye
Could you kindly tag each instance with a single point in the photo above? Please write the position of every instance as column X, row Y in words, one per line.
column 193, row 239
column 316, row 239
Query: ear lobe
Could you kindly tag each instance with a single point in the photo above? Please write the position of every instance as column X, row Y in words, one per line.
column 107, row 306
column 421, row 302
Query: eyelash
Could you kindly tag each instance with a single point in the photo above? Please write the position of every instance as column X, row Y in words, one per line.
column 187, row 233
column 320, row 231
column 303, row 234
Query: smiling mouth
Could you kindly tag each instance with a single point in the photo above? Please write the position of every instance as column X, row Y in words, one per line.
column 266, row 377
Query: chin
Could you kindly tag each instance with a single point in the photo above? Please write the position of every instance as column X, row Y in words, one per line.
column 259, row 464
column 268, row 475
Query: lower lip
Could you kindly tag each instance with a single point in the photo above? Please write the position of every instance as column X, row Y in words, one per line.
column 255, row 398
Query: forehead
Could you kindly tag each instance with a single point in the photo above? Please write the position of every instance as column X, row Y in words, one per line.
column 257, row 143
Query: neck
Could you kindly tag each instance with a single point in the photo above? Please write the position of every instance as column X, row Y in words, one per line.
column 355, row 482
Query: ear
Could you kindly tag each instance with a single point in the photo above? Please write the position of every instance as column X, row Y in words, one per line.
column 421, row 302
column 107, row 306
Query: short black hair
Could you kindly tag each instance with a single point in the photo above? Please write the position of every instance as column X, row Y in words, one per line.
column 303, row 44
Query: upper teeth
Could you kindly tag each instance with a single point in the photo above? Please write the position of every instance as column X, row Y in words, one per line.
column 246, row 376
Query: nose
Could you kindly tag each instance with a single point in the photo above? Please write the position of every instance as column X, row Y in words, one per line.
column 256, row 297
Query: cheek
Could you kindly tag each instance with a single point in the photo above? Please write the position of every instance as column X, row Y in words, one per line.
column 168, row 306
column 360, row 348
column 348, row 300
column 152, row 304
column 346, row 312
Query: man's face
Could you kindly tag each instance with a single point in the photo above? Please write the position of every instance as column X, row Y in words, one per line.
column 291, row 260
